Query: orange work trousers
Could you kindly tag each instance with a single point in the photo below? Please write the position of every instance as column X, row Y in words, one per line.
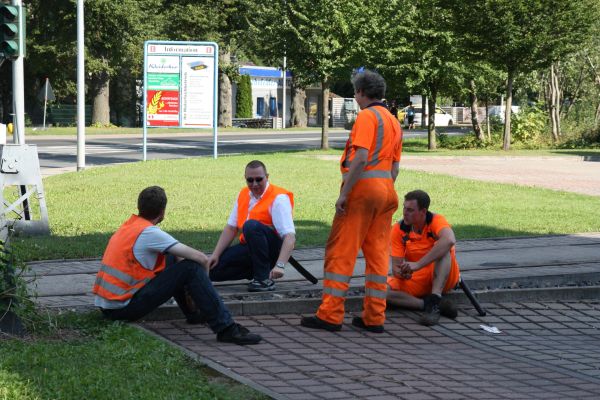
column 367, row 225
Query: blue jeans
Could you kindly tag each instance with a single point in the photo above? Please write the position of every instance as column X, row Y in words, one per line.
column 253, row 260
column 174, row 281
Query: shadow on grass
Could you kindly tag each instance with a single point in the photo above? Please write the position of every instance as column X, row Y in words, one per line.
column 55, row 247
column 586, row 154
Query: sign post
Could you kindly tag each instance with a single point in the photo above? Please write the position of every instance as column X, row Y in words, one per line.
column 180, row 87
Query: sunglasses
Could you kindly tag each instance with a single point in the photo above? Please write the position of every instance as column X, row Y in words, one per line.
column 257, row 180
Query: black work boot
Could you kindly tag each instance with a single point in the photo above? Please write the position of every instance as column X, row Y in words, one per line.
column 431, row 316
column 359, row 323
column 237, row 334
column 317, row 323
column 448, row 309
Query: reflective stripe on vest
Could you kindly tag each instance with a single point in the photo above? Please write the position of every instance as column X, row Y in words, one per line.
column 121, row 275
column 126, row 279
column 379, row 142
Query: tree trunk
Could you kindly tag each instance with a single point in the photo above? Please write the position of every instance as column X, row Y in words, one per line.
column 508, row 110
column 474, row 119
column 325, row 115
column 298, row 111
column 100, row 93
column 432, row 145
column 225, row 106
column 554, row 94
column 423, row 108
column 487, row 120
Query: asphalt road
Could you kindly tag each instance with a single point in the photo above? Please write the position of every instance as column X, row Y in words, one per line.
column 58, row 153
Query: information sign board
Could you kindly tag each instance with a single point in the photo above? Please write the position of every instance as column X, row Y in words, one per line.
column 180, row 85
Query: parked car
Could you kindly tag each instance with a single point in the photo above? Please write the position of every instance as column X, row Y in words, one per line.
column 442, row 118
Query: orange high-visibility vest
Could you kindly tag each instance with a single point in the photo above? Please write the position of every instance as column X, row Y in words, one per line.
column 261, row 211
column 121, row 275
column 386, row 144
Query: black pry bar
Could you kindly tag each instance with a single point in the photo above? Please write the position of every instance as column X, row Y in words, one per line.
column 310, row 277
column 471, row 297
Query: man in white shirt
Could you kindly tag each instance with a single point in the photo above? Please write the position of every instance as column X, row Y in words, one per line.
column 262, row 213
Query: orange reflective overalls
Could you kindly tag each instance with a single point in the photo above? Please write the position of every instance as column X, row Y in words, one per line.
column 367, row 222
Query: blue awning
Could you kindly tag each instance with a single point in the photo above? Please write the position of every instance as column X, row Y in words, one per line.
column 263, row 72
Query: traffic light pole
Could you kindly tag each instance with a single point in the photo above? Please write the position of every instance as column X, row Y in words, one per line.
column 18, row 89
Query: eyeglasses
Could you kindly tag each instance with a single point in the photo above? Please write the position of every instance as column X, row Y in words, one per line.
column 257, row 180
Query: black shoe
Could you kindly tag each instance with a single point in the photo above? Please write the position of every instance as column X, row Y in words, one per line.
column 448, row 309
column 261, row 286
column 235, row 333
column 317, row 323
column 431, row 316
column 359, row 323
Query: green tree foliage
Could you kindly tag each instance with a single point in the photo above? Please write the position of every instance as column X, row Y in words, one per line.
column 316, row 38
column 520, row 36
column 243, row 98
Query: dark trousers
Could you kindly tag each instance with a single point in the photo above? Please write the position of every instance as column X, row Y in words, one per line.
column 176, row 280
column 253, row 260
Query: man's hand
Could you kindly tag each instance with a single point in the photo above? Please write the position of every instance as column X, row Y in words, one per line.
column 212, row 262
column 277, row 273
column 401, row 271
column 340, row 204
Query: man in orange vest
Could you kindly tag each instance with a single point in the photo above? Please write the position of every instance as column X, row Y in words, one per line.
column 364, row 210
column 262, row 213
column 136, row 277
column 424, row 262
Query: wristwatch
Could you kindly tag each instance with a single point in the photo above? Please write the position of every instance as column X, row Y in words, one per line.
column 280, row 264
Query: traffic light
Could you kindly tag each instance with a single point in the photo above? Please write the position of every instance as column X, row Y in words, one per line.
column 11, row 31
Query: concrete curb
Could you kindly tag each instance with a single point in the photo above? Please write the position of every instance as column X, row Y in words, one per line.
column 354, row 303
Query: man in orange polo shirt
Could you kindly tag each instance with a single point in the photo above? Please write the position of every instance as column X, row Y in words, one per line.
column 262, row 214
column 363, row 211
column 423, row 261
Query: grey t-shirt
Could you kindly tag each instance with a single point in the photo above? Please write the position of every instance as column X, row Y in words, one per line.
column 149, row 244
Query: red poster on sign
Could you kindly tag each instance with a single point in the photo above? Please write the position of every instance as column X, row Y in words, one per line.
column 162, row 108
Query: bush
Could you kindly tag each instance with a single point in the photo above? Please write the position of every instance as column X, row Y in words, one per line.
column 243, row 98
column 468, row 142
column 585, row 139
column 529, row 126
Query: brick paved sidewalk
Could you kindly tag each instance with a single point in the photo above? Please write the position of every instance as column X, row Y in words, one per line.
column 545, row 350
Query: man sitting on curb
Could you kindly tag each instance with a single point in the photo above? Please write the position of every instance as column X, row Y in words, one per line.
column 423, row 261
column 134, row 278
column 262, row 213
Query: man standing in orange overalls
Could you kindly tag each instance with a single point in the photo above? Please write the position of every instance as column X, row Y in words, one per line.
column 364, row 210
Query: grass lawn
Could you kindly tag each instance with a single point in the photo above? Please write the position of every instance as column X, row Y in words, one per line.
column 90, row 358
column 86, row 208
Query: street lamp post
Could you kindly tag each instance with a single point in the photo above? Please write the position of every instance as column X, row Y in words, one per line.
column 80, row 89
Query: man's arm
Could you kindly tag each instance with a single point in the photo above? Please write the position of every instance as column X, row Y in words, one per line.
column 227, row 236
column 395, row 170
column 357, row 165
column 441, row 247
column 185, row 252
